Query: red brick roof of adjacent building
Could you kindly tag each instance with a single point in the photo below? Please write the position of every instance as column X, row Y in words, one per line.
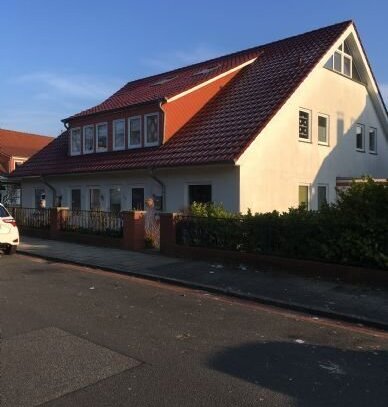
column 20, row 144
column 222, row 130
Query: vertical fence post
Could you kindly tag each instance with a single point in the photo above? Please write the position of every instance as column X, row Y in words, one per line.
column 133, row 230
column 167, row 233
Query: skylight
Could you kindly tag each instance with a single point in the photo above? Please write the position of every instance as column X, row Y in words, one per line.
column 163, row 81
column 205, row 71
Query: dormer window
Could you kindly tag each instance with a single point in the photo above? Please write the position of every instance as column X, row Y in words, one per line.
column 102, row 137
column 134, row 132
column 151, row 127
column 75, row 141
column 119, row 134
column 88, row 139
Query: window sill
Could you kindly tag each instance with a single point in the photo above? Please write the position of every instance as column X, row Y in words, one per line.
column 303, row 140
column 359, row 150
column 102, row 150
column 321, row 143
column 373, row 152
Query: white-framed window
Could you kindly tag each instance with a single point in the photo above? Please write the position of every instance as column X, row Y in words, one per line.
column 75, row 141
column 360, row 137
column 304, row 125
column 304, row 195
column 373, row 140
column 323, row 129
column 151, row 129
column 102, row 137
column 119, row 134
column 115, row 199
column 342, row 61
column 89, row 139
column 94, row 199
column 322, row 195
column 134, row 132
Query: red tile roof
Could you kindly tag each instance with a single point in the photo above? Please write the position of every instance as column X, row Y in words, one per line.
column 168, row 84
column 224, row 128
column 19, row 144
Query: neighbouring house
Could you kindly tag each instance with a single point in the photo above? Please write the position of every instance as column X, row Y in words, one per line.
column 15, row 149
column 265, row 128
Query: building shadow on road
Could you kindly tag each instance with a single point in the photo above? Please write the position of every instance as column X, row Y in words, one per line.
column 312, row 375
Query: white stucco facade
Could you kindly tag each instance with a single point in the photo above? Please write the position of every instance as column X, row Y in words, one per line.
column 223, row 180
column 277, row 162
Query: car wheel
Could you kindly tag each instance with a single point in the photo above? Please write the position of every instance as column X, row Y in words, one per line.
column 10, row 250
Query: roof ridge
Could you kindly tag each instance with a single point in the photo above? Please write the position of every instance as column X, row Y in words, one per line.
column 235, row 53
column 132, row 87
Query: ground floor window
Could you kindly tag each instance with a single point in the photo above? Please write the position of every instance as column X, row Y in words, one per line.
column 304, row 196
column 76, row 199
column 115, row 199
column 95, row 199
column 138, row 199
column 200, row 194
column 322, row 195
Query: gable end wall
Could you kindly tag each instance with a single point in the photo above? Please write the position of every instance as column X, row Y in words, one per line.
column 277, row 162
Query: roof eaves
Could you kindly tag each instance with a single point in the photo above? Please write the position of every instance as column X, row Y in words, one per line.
column 370, row 67
column 137, row 168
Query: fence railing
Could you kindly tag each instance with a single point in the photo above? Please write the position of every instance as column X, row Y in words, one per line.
column 92, row 222
column 31, row 217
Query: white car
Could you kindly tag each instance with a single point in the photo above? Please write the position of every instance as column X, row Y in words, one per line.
column 9, row 232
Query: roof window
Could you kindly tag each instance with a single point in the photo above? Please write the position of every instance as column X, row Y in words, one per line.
column 205, row 71
column 163, row 81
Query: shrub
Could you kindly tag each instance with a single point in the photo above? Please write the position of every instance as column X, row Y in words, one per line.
column 354, row 230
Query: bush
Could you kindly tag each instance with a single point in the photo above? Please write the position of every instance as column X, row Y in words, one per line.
column 354, row 230
column 207, row 210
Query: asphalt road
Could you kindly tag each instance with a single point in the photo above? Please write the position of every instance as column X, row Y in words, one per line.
column 72, row 336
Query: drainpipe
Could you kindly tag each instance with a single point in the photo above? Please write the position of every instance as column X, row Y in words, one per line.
column 162, row 185
column 53, row 190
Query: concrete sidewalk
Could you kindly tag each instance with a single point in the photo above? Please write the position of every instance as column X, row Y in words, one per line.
column 338, row 300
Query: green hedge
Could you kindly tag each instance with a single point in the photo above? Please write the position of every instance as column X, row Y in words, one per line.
column 354, row 230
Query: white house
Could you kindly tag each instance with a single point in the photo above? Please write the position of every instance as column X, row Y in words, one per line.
column 265, row 128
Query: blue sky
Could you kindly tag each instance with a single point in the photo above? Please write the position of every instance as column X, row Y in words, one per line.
column 60, row 57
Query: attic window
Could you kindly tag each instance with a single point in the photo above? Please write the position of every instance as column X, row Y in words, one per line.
column 341, row 61
column 205, row 71
column 163, row 81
